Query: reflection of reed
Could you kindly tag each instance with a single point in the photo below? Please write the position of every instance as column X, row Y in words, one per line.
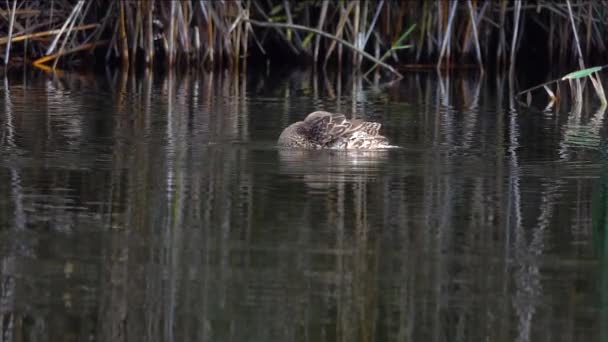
column 200, row 236
column 582, row 135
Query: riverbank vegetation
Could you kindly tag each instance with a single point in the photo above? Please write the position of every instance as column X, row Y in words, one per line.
column 218, row 34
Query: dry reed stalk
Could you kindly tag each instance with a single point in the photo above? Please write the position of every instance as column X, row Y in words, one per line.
column 66, row 23
column 278, row 31
column 10, row 33
column 290, row 21
column 516, row 14
column 423, row 30
column 88, row 46
column 150, row 34
column 69, row 31
column 136, row 29
column 80, row 23
column 19, row 38
column 171, row 39
column 182, row 32
column 237, row 42
column 355, row 33
column 578, row 45
column 246, row 30
column 211, row 30
column 250, row 30
column 448, row 34
column 327, row 35
column 324, row 6
column 589, row 21
column 475, row 17
column 360, row 39
column 112, row 44
column 210, row 35
column 596, row 83
column 124, row 45
column 197, row 42
column 18, row 26
column 200, row 16
column 440, row 22
column 20, row 12
column 373, row 23
column 501, row 51
column 29, row 28
column 187, row 12
column 431, row 42
column 475, row 36
column 339, row 30
column 347, row 23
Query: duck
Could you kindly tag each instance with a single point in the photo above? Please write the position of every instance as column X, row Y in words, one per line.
column 325, row 130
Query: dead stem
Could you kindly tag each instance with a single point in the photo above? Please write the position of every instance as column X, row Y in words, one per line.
column 88, row 46
column 217, row 32
column 332, row 37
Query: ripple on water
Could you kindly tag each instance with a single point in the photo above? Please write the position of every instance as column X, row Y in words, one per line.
column 181, row 188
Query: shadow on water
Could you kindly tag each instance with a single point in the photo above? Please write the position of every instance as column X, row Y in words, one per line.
column 159, row 208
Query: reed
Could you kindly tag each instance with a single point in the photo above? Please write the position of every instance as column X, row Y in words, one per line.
column 225, row 33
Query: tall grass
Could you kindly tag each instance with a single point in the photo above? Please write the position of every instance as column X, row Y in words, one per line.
column 225, row 33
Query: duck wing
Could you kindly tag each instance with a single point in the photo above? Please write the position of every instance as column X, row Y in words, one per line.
column 330, row 127
column 360, row 140
column 371, row 128
column 335, row 128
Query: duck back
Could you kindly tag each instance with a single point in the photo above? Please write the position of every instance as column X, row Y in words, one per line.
column 333, row 130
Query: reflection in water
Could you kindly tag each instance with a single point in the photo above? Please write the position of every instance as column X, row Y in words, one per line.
column 159, row 208
column 321, row 169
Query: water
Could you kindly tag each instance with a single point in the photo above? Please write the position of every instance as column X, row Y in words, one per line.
column 158, row 208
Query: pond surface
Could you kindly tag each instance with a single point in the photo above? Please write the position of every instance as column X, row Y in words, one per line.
column 158, row 208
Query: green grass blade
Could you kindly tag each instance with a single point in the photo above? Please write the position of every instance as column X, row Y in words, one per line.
column 581, row 73
column 307, row 39
column 401, row 47
column 404, row 35
column 276, row 9
column 277, row 19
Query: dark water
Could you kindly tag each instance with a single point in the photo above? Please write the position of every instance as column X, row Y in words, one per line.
column 158, row 208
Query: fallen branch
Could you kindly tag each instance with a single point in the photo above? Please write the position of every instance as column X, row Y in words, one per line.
column 327, row 35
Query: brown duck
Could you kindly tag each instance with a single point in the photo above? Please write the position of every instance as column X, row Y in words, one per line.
column 333, row 131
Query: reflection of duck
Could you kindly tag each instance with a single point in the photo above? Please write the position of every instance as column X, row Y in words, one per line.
column 327, row 130
column 322, row 169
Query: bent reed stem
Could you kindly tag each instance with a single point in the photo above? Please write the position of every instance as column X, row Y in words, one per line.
column 326, row 35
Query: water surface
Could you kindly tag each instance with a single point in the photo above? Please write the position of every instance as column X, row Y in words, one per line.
column 158, row 208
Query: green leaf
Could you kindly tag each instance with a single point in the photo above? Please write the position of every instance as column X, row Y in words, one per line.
column 276, row 9
column 277, row 19
column 581, row 73
column 401, row 47
column 404, row 35
column 307, row 39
